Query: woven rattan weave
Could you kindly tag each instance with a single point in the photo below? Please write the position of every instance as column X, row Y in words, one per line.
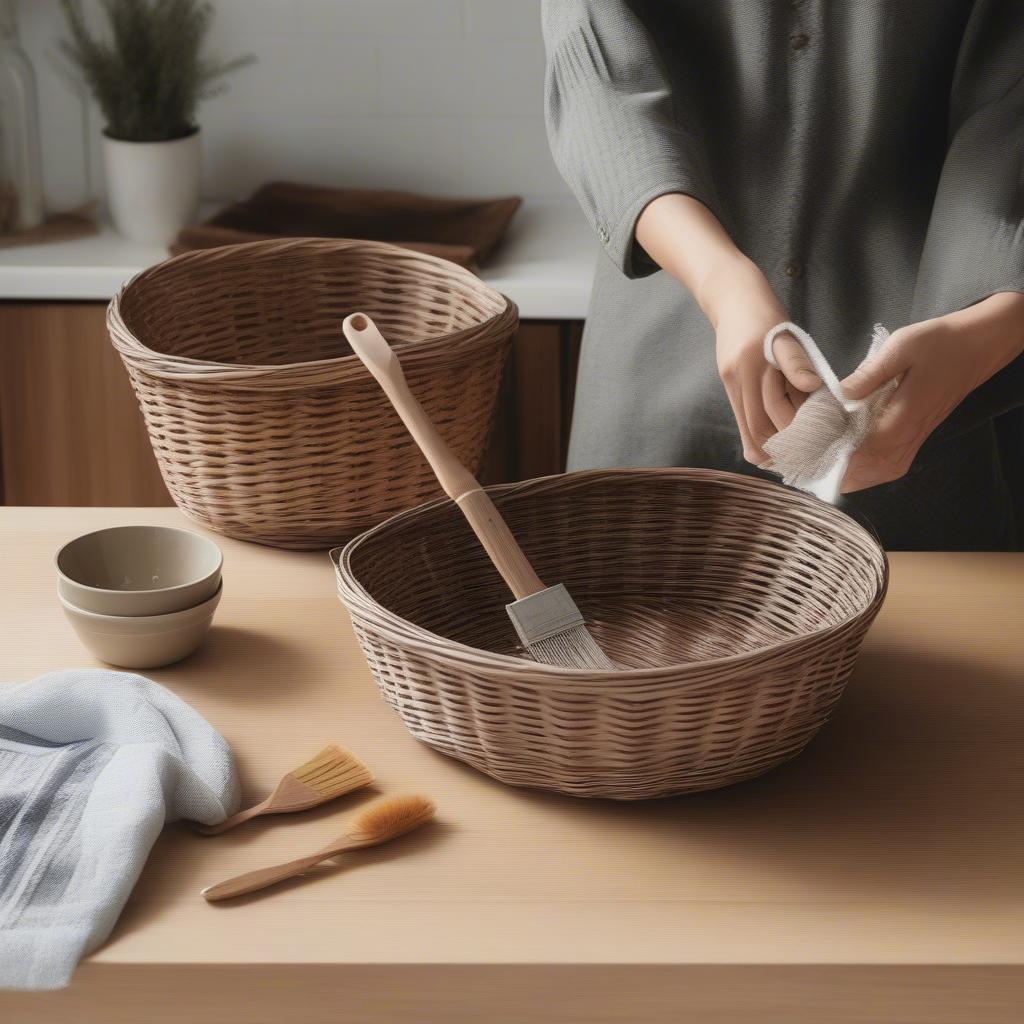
column 736, row 605
column 264, row 424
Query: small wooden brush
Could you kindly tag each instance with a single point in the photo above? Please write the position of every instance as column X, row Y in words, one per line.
column 382, row 821
column 330, row 774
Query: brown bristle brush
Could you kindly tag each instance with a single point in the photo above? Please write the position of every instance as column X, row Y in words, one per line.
column 382, row 821
column 330, row 774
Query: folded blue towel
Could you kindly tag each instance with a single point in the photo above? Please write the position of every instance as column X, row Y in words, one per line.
column 93, row 763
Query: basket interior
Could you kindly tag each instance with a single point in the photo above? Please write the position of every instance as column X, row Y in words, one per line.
column 667, row 567
column 277, row 303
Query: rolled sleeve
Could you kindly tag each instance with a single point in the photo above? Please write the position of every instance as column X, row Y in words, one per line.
column 618, row 135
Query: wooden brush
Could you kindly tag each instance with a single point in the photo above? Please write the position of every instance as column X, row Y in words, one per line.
column 382, row 821
column 546, row 618
column 330, row 774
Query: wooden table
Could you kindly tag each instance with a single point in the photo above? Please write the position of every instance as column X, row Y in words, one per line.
column 877, row 877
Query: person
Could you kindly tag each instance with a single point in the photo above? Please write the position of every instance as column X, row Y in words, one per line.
column 830, row 164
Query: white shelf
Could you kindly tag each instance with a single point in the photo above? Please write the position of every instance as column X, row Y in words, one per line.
column 544, row 265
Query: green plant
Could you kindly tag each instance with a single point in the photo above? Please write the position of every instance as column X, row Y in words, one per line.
column 149, row 76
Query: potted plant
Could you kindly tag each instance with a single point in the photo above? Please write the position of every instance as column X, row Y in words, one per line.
column 148, row 78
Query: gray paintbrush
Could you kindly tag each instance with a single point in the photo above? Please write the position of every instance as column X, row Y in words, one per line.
column 546, row 618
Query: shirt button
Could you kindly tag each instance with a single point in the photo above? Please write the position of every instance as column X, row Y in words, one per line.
column 794, row 269
column 602, row 233
column 799, row 41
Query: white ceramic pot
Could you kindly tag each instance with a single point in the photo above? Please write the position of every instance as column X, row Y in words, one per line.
column 152, row 187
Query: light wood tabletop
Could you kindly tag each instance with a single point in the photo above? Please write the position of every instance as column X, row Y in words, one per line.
column 877, row 877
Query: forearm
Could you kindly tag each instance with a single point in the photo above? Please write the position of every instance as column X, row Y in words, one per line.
column 688, row 241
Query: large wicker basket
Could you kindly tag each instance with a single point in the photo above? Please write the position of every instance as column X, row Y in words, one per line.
column 264, row 424
column 736, row 606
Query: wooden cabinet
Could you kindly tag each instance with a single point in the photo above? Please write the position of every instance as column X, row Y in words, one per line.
column 531, row 423
column 70, row 429
column 71, row 432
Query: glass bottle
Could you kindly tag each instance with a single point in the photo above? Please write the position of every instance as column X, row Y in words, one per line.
column 21, row 193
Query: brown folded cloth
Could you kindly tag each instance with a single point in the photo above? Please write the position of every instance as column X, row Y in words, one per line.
column 461, row 230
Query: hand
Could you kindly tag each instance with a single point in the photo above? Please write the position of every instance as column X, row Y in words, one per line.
column 686, row 239
column 743, row 308
column 941, row 362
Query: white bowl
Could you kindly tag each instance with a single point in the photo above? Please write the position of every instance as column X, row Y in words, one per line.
column 138, row 570
column 143, row 641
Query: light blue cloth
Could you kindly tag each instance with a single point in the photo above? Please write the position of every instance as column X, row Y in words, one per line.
column 93, row 763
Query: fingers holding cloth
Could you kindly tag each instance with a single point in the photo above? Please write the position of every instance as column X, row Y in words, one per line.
column 790, row 379
column 764, row 397
column 815, row 451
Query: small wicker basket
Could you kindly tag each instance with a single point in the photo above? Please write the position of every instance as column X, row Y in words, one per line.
column 264, row 425
column 736, row 606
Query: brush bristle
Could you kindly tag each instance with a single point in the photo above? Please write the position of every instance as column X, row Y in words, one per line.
column 333, row 772
column 392, row 816
column 552, row 629
column 573, row 648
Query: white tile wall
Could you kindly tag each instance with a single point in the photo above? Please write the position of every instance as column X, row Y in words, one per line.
column 437, row 95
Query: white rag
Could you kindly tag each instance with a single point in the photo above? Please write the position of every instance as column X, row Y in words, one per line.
column 92, row 764
column 814, row 451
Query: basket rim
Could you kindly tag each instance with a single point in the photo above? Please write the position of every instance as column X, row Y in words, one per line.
column 167, row 366
column 465, row 656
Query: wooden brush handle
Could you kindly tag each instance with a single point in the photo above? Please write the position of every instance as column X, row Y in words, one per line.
column 504, row 551
column 236, row 819
column 458, row 483
column 251, row 881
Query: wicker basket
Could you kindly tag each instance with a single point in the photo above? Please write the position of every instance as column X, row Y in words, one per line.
column 737, row 607
column 264, row 424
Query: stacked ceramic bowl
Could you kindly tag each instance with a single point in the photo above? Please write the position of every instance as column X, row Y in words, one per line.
column 140, row 596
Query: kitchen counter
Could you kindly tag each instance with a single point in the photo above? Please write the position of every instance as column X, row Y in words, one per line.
column 876, row 877
column 544, row 264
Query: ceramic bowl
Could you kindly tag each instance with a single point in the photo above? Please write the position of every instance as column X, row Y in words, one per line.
column 138, row 570
column 143, row 641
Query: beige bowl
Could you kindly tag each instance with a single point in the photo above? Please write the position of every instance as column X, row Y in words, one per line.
column 143, row 641
column 138, row 570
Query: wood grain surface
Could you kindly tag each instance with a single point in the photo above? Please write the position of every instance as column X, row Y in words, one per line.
column 70, row 427
column 876, row 877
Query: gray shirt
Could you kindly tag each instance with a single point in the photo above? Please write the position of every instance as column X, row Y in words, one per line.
column 868, row 155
